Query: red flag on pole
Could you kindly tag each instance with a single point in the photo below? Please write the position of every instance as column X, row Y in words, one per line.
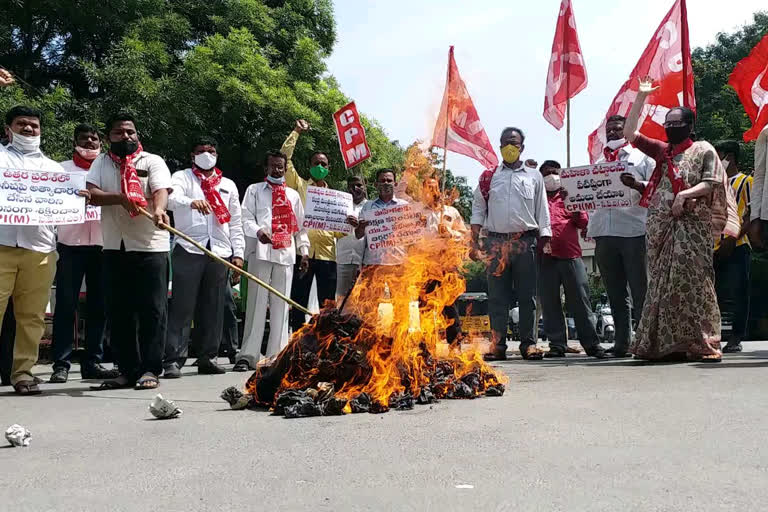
column 567, row 75
column 458, row 127
column 667, row 59
column 750, row 79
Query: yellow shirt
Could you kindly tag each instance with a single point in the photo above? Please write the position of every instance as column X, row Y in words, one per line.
column 742, row 191
column 322, row 244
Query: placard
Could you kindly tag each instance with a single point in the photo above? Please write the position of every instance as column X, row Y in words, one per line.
column 592, row 187
column 394, row 226
column 41, row 198
column 351, row 135
column 327, row 209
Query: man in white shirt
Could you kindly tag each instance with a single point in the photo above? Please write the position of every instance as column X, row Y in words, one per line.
column 206, row 206
column 27, row 253
column 135, row 251
column 349, row 250
column 79, row 247
column 511, row 203
column 759, row 203
column 272, row 218
column 619, row 235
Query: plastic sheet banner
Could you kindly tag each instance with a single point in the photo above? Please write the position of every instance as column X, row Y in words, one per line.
column 40, row 198
column 327, row 209
column 592, row 187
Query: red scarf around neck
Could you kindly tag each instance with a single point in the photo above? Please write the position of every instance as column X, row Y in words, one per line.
column 284, row 223
column 80, row 161
column 130, row 185
column 673, row 173
column 612, row 155
column 212, row 195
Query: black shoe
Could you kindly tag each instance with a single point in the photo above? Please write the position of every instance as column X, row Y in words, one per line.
column 597, row 352
column 98, row 372
column 232, row 359
column 60, row 376
column 242, row 366
column 621, row 354
column 555, row 352
column 172, row 371
column 732, row 347
column 495, row 355
column 208, row 367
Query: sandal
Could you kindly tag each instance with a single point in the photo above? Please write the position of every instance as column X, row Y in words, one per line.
column 555, row 352
column 732, row 348
column 147, row 381
column 26, row 387
column 242, row 366
column 712, row 358
column 572, row 350
column 121, row 382
column 531, row 353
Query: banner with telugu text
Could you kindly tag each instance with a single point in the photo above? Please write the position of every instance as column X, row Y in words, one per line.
column 327, row 209
column 40, row 198
column 592, row 187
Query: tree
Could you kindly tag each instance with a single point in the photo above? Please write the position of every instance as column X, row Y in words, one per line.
column 720, row 113
column 240, row 70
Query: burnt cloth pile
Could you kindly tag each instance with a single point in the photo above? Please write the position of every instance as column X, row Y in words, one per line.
column 331, row 354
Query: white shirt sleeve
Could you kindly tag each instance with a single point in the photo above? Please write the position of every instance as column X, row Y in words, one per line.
column 759, row 204
column 159, row 175
column 251, row 225
column 542, row 208
column 479, row 208
column 178, row 198
column 94, row 173
column 301, row 237
column 236, row 234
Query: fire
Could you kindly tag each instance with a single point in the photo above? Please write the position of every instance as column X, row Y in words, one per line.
column 384, row 346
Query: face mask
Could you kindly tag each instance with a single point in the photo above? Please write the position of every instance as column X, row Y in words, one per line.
column 276, row 181
column 123, row 148
column 318, row 172
column 386, row 189
column 677, row 134
column 205, row 161
column 613, row 145
column 25, row 143
column 510, row 153
column 87, row 154
column 552, row 182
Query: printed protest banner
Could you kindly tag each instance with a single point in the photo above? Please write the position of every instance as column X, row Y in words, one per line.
column 39, row 198
column 351, row 135
column 396, row 226
column 327, row 209
column 596, row 186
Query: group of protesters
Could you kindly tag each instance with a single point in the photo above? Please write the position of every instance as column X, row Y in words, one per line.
column 670, row 263
column 661, row 270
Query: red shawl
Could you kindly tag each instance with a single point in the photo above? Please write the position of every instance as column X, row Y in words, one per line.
column 612, row 155
column 212, row 195
column 284, row 223
column 673, row 173
column 130, row 185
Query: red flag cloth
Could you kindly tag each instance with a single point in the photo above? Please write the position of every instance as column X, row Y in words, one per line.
column 667, row 59
column 212, row 195
column 130, row 184
column 567, row 75
column 750, row 79
column 459, row 121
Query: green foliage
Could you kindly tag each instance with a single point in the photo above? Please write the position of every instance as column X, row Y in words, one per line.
column 240, row 70
column 475, row 275
column 720, row 113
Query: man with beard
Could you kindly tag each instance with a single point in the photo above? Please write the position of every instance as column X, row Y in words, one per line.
column 206, row 206
column 272, row 218
column 511, row 203
column 619, row 235
column 349, row 250
column 135, row 251
column 80, row 255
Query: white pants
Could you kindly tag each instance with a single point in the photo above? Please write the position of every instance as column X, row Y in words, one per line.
column 279, row 277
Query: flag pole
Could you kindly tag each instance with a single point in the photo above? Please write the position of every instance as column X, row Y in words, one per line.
column 567, row 102
column 447, row 121
column 685, row 41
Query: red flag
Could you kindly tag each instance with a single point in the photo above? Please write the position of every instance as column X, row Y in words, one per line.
column 459, row 121
column 351, row 135
column 567, row 75
column 667, row 59
column 750, row 79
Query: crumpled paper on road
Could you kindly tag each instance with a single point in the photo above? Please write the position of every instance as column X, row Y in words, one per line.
column 163, row 409
column 18, row 435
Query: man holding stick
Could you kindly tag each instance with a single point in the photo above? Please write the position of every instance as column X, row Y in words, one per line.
column 123, row 182
column 272, row 218
column 206, row 207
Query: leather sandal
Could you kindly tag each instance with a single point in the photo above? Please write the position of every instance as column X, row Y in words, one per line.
column 26, row 387
column 531, row 353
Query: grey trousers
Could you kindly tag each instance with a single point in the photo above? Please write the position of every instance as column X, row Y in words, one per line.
column 623, row 261
column 512, row 271
column 572, row 275
column 198, row 293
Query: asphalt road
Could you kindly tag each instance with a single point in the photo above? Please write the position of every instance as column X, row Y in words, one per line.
column 567, row 436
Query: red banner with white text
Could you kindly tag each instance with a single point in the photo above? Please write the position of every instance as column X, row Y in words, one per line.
column 351, row 134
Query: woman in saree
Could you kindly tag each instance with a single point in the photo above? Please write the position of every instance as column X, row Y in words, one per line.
column 688, row 205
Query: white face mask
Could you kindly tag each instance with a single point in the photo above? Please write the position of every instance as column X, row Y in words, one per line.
column 275, row 181
column 205, row 161
column 25, row 143
column 725, row 163
column 615, row 144
column 552, row 182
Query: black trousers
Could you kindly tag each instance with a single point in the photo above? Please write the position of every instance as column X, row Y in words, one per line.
column 7, row 339
column 230, row 337
column 732, row 275
column 76, row 262
column 199, row 283
column 325, row 272
column 137, row 284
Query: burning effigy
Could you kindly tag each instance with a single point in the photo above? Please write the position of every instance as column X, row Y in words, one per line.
column 384, row 349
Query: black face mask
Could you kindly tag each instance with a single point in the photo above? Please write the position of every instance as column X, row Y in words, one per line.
column 677, row 134
column 123, row 148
